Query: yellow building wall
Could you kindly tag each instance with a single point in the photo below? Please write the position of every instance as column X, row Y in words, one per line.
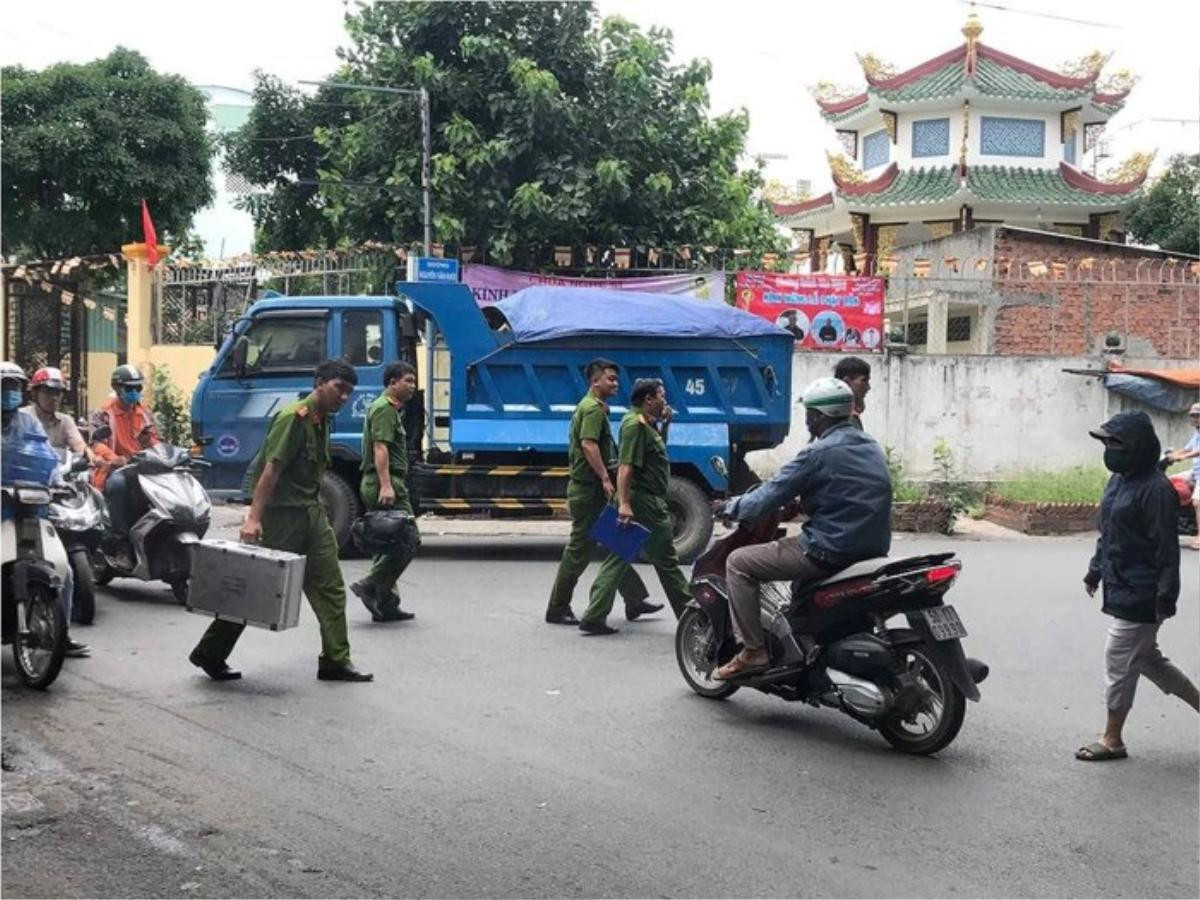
column 185, row 362
column 99, row 370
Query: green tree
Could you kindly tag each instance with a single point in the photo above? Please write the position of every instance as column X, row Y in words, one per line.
column 169, row 407
column 1168, row 213
column 548, row 127
column 83, row 144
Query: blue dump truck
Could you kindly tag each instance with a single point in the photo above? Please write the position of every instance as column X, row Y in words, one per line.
column 488, row 432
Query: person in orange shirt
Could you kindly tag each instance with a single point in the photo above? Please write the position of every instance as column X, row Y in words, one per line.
column 130, row 428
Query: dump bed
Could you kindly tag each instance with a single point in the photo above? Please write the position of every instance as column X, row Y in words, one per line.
column 513, row 384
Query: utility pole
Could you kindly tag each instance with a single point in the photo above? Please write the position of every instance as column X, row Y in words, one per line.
column 422, row 96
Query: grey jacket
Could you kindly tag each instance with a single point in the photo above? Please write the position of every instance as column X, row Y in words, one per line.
column 844, row 486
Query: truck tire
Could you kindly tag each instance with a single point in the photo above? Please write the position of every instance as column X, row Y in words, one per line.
column 691, row 518
column 341, row 505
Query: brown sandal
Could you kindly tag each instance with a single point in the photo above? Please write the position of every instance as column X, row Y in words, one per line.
column 737, row 667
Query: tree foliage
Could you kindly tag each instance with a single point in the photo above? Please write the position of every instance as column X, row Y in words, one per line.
column 1168, row 214
column 83, row 144
column 549, row 127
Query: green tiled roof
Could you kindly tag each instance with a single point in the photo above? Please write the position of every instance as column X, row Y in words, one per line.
column 842, row 116
column 945, row 82
column 911, row 186
column 1000, row 184
column 997, row 80
column 1005, row 184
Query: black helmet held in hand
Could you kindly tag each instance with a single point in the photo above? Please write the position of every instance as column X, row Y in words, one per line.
column 385, row 531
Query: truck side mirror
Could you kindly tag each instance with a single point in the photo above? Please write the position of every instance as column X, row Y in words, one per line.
column 240, row 348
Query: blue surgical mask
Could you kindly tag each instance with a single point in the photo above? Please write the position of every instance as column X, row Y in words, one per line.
column 11, row 400
column 131, row 395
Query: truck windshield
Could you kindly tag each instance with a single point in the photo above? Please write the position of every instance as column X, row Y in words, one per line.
column 288, row 344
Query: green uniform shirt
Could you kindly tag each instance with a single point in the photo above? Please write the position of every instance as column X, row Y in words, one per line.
column 643, row 448
column 384, row 425
column 299, row 446
column 589, row 423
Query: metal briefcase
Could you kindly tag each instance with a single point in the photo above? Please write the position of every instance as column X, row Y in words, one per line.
column 246, row 583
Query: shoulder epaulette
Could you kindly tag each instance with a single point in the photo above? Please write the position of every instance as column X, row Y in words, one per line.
column 302, row 412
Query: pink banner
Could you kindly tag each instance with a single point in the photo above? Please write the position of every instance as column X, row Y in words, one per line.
column 490, row 285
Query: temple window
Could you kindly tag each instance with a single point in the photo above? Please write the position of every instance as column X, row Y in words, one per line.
column 876, row 148
column 1069, row 148
column 931, row 137
column 999, row 136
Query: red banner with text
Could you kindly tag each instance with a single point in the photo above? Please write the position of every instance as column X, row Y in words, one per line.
column 824, row 312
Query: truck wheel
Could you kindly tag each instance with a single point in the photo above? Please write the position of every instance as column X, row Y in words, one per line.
column 341, row 505
column 691, row 518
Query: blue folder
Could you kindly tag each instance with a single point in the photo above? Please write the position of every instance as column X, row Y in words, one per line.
column 624, row 540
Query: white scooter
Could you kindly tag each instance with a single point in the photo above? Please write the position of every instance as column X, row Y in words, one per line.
column 77, row 513
column 36, row 579
column 172, row 513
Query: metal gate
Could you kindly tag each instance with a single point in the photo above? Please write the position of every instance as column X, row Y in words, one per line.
column 47, row 326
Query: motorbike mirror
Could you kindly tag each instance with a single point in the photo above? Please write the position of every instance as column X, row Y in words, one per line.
column 719, row 466
column 102, row 433
column 80, row 464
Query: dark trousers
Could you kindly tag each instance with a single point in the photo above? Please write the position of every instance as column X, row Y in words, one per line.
column 116, row 497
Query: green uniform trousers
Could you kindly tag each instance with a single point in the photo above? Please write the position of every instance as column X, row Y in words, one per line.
column 306, row 530
column 659, row 549
column 586, row 503
column 386, row 568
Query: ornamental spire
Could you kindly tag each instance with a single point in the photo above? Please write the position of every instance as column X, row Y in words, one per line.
column 971, row 30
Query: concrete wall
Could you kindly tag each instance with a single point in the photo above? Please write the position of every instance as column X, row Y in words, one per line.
column 1000, row 414
column 186, row 363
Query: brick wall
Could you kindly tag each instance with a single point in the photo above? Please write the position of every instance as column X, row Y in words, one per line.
column 1122, row 293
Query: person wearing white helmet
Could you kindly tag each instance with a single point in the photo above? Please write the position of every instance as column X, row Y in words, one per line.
column 1192, row 451
column 841, row 482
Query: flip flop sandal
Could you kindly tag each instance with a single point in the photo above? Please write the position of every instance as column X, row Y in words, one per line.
column 737, row 667
column 1098, row 752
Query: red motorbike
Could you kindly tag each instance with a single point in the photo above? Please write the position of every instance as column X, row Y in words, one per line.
column 831, row 643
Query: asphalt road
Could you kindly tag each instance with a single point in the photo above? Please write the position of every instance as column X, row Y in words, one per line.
column 498, row 756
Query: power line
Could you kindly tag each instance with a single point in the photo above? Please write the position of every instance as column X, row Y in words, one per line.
column 1040, row 15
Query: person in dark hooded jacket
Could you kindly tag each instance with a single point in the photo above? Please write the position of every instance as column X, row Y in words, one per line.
column 1137, row 562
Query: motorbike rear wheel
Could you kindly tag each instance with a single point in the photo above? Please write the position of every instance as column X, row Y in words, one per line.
column 696, row 653
column 83, row 598
column 38, row 652
column 939, row 713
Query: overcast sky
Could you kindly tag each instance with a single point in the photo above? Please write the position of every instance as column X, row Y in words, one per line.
column 764, row 52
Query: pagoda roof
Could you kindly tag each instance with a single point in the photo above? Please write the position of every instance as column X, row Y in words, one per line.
column 1064, row 186
column 975, row 70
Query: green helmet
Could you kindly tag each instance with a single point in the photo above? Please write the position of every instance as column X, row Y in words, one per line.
column 126, row 376
column 831, row 397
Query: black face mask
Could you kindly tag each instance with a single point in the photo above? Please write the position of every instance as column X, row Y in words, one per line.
column 1116, row 459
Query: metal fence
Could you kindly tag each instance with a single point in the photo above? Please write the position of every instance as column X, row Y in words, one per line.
column 197, row 303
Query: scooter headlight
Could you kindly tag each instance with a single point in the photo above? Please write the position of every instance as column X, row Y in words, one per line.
column 33, row 496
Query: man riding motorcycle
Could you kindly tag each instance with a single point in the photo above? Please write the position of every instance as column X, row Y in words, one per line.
column 131, row 428
column 18, row 420
column 841, row 479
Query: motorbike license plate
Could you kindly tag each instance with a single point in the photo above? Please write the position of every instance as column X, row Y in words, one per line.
column 944, row 622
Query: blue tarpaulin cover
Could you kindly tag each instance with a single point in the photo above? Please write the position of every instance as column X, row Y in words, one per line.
column 545, row 312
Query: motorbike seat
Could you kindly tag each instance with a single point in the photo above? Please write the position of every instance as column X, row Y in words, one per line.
column 856, row 570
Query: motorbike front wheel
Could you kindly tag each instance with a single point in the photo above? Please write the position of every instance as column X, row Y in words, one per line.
column 696, row 652
column 83, row 598
column 38, row 650
column 934, row 718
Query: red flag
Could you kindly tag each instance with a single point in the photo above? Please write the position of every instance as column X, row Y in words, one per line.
column 149, row 237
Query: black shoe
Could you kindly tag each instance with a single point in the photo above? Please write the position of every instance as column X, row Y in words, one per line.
column 344, row 672
column 641, row 608
column 561, row 616
column 217, row 671
column 76, row 650
column 395, row 615
column 596, row 628
column 366, row 593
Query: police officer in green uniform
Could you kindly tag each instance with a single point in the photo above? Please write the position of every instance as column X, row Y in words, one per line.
column 286, row 514
column 384, row 486
column 642, row 497
column 590, row 489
